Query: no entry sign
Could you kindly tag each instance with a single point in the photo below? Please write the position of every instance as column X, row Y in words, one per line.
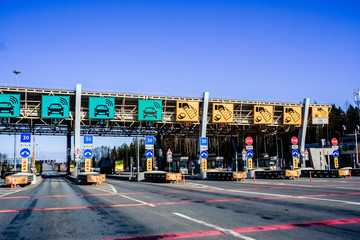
column 249, row 141
column 294, row 140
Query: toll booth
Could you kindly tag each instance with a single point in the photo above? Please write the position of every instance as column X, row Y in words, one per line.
column 215, row 163
column 180, row 164
column 241, row 163
column 266, row 162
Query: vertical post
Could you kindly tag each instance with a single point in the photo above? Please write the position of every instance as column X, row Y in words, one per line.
column 356, row 147
column 277, row 152
column 303, row 131
column 137, row 156
column 15, row 150
column 203, row 126
column 77, row 127
column 68, row 148
column 33, row 156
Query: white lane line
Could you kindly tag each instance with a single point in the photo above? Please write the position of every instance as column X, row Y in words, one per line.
column 133, row 199
column 299, row 197
column 228, row 231
column 331, row 200
column 5, row 194
column 113, row 189
column 350, row 188
column 198, row 185
column 260, row 193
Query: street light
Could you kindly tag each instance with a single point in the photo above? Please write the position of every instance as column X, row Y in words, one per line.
column 16, row 74
column 356, row 144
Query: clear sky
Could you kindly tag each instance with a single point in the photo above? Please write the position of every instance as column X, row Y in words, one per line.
column 272, row 50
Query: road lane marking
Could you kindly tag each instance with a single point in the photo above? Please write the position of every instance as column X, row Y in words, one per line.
column 224, row 230
column 198, row 185
column 135, row 200
column 264, row 228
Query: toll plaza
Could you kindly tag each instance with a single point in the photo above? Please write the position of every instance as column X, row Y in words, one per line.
column 239, row 126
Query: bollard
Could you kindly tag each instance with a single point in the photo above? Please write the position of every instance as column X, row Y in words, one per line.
column 183, row 179
column 350, row 173
column 310, row 176
column 298, row 175
column 254, row 177
column 244, row 177
column 13, row 183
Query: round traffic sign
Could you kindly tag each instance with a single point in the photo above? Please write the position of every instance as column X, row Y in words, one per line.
column 88, row 153
column 336, row 153
column 249, row 141
column 149, row 153
column 25, row 152
column 249, row 154
column 334, row 141
column 295, row 153
column 204, row 154
column 294, row 140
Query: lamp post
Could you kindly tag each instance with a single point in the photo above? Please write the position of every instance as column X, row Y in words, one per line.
column 356, row 145
column 16, row 74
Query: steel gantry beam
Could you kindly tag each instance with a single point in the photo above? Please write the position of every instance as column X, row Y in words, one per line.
column 125, row 121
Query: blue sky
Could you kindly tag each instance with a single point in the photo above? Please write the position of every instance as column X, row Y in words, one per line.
column 244, row 49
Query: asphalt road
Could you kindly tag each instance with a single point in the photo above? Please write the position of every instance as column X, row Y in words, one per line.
column 268, row 209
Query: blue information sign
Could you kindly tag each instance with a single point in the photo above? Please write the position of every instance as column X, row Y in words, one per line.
column 87, row 153
column 149, row 140
column 25, row 152
column 204, row 154
column 25, row 138
column 88, row 139
column 149, row 153
column 336, row 153
column 203, row 141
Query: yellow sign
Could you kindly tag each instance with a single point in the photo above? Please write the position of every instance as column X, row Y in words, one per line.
column 187, row 111
column 149, row 164
column 223, row 113
column 263, row 114
column 72, row 167
column 296, row 162
column 87, row 164
column 250, row 163
column 336, row 162
column 320, row 115
column 204, row 164
column 292, row 115
column 24, row 165
column 119, row 166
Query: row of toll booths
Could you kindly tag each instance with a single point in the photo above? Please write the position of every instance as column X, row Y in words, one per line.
column 182, row 164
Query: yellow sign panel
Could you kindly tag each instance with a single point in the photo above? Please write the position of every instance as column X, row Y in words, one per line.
column 204, row 164
column 24, row 165
column 292, row 115
column 223, row 113
column 336, row 162
column 250, row 163
column 149, row 164
column 187, row 111
column 320, row 115
column 119, row 166
column 263, row 114
column 296, row 162
column 320, row 112
column 87, row 164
